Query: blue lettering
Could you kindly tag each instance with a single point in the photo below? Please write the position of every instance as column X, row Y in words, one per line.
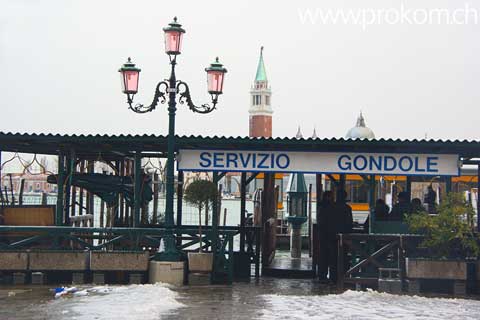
column 386, row 167
column 401, row 163
column 356, row 164
column 431, row 162
column 232, row 158
column 205, row 159
column 345, row 165
column 218, row 160
column 286, row 162
column 417, row 166
column 263, row 159
column 272, row 161
column 246, row 160
column 375, row 161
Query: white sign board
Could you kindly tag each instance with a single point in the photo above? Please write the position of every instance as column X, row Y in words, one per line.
column 319, row 162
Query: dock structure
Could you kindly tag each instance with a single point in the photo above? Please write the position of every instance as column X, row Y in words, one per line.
column 126, row 225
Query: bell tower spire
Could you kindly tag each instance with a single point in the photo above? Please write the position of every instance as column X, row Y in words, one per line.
column 260, row 109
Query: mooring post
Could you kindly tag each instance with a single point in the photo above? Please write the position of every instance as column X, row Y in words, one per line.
column 243, row 217
column 20, row 194
column 137, row 188
column 60, row 187
column 340, row 263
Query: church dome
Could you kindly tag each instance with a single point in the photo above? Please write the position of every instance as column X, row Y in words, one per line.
column 360, row 131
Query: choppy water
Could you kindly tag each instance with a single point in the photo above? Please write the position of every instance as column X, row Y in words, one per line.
column 265, row 299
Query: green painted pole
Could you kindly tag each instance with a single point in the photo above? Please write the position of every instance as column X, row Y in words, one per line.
column 215, row 235
column 2, row 201
column 137, row 188
column 448, row 184
column 478, row 200
column 179, row 205
column 371, row 202
column 60, row 186
column 171, row 253
column 243, row 216
column 409, row 187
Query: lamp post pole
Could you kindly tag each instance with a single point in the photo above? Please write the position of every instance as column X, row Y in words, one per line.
column 170, row 89
column 171, row 253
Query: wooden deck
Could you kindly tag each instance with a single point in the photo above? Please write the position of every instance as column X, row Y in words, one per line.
column 286, row 267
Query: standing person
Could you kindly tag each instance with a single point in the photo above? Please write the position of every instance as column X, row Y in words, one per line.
column 326, row 210
column 345, row 221
column 344, row 224
column 339, row 220
column 430, row 198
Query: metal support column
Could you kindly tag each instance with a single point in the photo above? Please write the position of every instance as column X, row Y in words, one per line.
column 90, row 196
column 137, row 188
column 60, row 186
column 243, row 217
column 448, row 184
column 371, row 202
column 180, row 180
column 409, row 187
column 215, row 234
column 1, row 181
column 478, row 200
column 341, row 188
column 319, row 254
column 68, row 184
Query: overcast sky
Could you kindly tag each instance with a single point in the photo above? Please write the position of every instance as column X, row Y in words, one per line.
column 59, row 62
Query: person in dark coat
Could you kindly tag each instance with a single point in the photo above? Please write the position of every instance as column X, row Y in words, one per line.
column 339, row 220
column 430, row 198
column 417, row 206
column 326, row 208
column 381, row 213
column 402, row 207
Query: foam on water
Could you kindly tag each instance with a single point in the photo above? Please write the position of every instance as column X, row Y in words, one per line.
column 369, row 305
column 146, row 302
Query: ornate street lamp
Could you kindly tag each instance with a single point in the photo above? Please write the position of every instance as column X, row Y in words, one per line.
column 171, row 87
column 297, row 209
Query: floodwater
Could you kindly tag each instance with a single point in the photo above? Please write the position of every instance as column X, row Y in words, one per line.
column 266, row 299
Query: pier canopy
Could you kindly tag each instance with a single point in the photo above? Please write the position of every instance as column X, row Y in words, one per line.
column 119, row 146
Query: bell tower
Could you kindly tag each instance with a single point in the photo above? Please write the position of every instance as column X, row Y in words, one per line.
column 260, row 98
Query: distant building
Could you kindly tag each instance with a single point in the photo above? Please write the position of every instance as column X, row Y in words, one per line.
column 33, row 183
column 360, row 131
column 260, row 120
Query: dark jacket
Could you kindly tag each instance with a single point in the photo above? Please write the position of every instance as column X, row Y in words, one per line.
column 399, row 210
column 339, row 220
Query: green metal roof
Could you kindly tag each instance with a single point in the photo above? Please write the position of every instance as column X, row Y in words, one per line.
column 261, row 73
column 117, row 146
